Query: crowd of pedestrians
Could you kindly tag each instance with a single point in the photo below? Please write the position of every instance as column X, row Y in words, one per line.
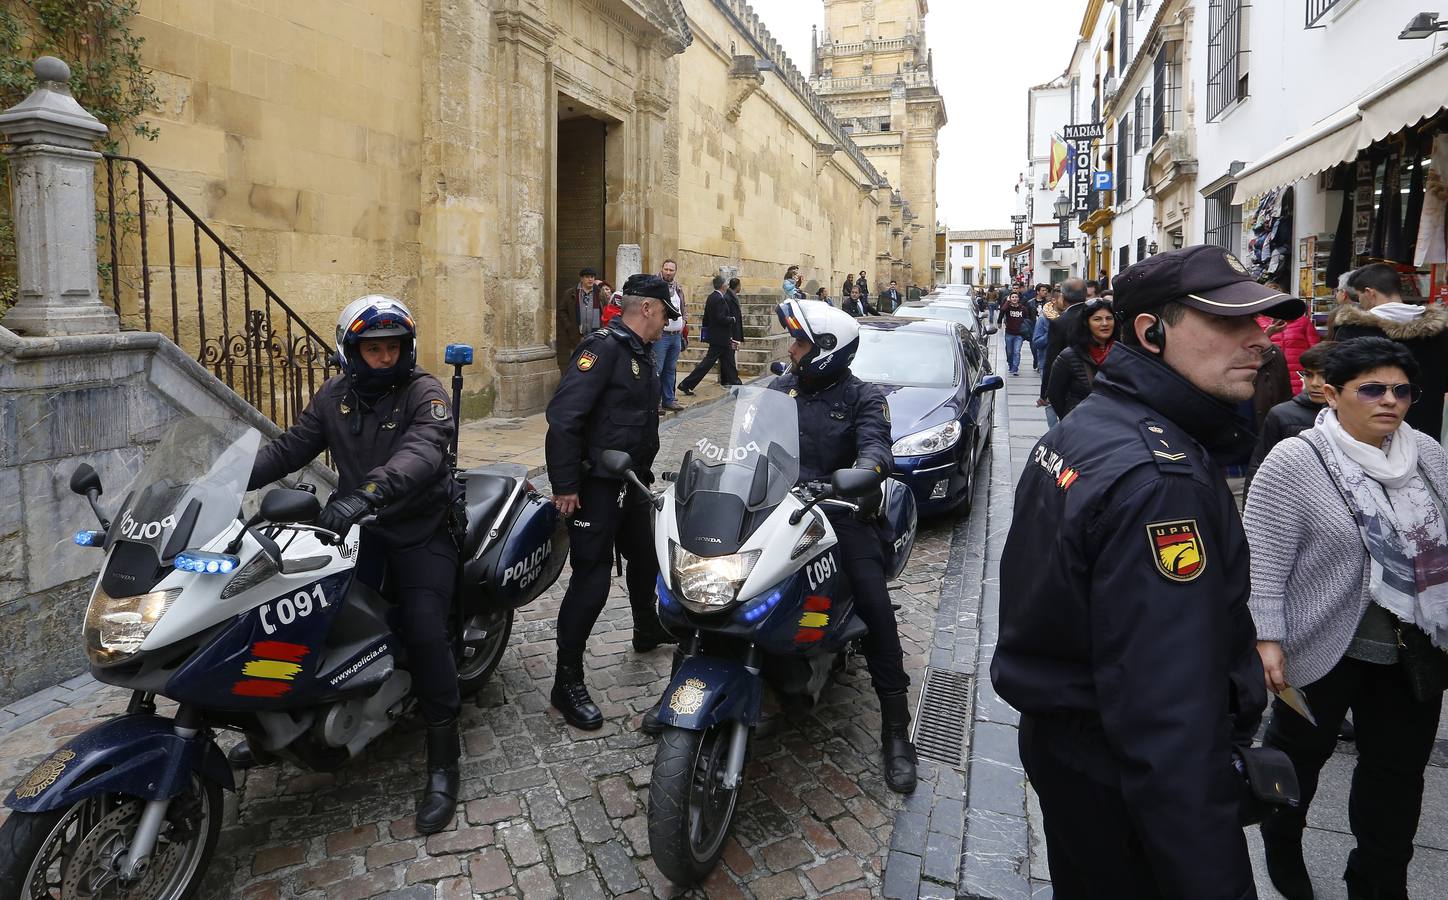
column 1327, row 588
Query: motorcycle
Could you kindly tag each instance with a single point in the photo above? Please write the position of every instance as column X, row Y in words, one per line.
column 253, row 622
column 751, row 581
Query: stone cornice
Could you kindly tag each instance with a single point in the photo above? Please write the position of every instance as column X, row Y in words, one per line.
column 518, row 24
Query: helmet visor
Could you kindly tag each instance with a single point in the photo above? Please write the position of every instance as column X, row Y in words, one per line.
column 793, row 320
column 380, row 322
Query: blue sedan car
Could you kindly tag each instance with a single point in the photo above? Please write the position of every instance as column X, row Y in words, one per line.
column 941, row 395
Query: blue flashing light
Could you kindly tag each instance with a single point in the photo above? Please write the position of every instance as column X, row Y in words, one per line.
column 458, row 355
column 759, row 608
column 203, row 563
column 666, row 599
column 90, row 538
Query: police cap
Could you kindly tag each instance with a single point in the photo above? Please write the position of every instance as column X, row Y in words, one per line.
column 652, row 287
column 1204, row 277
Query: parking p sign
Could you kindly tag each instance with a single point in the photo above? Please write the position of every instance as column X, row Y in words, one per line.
column 1102, row 181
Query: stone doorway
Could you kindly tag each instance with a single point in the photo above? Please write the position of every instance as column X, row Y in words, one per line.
column 580, row 204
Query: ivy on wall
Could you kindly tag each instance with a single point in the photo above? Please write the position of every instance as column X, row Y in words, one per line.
column 95, row 39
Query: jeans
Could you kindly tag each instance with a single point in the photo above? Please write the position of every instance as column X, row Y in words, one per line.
column 666, row 361
column 1013, row 352
column 1051, row 418
column 1395, row 737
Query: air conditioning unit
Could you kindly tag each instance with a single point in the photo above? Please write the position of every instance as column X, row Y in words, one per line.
column 1049, row 255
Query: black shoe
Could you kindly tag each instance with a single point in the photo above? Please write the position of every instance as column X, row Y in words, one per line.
column 1285, row 865
column 440, row 796
column 570, row 697
column 651, row 723
column 243, row 757
column 1347, row 731
column 649, row 635
column 687, row 392
column 895, row 744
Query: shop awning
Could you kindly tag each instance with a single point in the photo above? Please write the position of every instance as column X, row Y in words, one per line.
column 1404, row 98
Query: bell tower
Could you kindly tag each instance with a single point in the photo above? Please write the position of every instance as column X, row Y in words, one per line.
column 873, row 68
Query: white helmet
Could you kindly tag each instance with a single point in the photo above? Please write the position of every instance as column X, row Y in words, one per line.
column 834, row 333
column 376, row 316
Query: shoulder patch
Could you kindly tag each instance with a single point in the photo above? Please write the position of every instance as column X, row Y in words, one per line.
column 586, row 359
column 885, row 404
column 439, row 410
column 1164, row 452
column 1177, row 549
column 1055, row 466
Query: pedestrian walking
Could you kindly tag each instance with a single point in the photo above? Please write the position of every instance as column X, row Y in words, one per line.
column 1125, row 640
column 1073, row 293
column 1292, row 417
column 1017, row 327
column 722, row 331
column 673, row 341
column 606, row 401
column 1381, row 312
column 993, row 302
column 1350, row 601
column 848, row 286
column 1093, row 336
column 1049, row 311
column 864, row 286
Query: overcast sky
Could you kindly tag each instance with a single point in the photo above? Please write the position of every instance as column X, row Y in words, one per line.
column 987, row 53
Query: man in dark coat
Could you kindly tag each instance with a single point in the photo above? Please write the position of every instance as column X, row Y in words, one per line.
column 1381, row 312
column 722, row 333
column 580, row 312
column 890, row 299
column 1058, row 337
column 1125, row 639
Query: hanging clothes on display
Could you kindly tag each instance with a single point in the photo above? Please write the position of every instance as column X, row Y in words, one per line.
column 1432, row 244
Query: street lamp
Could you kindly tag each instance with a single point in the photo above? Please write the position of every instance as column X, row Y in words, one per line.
column 1063, row 206
column 1423, row 25
column 1151, row 249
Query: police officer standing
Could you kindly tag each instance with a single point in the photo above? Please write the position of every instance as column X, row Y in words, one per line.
column 1127, row 645
column 845, row 423
column 389, row 425
column 607, row 401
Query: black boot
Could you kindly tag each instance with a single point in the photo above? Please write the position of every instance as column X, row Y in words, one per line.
column 1286, row 868
column 649, row 633
column 651, row 723
column 242, row 756
column 895, row 743
column 440, row 796
column 570, row 695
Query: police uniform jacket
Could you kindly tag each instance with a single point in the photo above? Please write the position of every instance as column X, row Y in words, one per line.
column 1129, row 638
column 607, row 400
column 843, row 425
column 401, row 446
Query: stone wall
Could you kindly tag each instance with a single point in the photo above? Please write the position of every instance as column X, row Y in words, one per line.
column 104, row 400
column 768, row 178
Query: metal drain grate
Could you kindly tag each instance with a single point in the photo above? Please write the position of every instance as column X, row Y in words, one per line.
column 942, row 717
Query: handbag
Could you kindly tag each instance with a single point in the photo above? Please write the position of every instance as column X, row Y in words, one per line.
column 1269, row 782
column 1423, row 665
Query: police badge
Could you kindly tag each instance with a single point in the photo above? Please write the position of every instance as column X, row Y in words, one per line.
column 636, row 369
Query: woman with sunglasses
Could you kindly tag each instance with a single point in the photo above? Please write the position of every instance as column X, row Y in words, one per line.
column 1349, row 568
column 1091, row 337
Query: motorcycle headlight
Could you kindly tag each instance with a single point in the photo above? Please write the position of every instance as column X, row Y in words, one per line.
column 115, row 627
column 709, row 584
column 931, row 440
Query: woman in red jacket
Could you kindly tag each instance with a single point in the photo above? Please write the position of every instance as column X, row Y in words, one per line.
column 1294, row 338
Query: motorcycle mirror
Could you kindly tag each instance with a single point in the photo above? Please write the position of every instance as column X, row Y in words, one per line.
column 84, row 480
column 777, row 367
column 615, row 464
column 850, row 483
column 285, row 506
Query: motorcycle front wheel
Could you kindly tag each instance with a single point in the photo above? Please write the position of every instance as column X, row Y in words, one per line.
column 690, row 810
column 485, row 637
column 75, row 851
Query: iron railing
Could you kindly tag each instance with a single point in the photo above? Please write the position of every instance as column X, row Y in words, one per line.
column 1316, row 9
column 211, row 303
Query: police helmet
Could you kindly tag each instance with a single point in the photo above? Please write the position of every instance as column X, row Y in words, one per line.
column 833, row 332
column 376, row 316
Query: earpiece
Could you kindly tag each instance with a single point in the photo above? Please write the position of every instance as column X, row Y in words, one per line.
column 1156, row 335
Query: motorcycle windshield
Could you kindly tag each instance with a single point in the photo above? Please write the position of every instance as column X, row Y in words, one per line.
column 192, row 485
column 746, row 448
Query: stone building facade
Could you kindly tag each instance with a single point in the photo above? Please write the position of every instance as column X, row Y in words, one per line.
column 873, row 68
column 472, row 157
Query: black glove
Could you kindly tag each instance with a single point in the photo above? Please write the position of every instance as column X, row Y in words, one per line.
column 341, row 513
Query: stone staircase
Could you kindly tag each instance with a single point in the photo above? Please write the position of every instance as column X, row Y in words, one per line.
column 764, row 340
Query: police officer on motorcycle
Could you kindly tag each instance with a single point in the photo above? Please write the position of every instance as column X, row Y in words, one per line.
column 388, row 425
column 845, row 423
column 607, row 400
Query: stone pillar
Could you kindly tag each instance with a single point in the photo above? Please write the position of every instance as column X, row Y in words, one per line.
column 527, row 365
column 52, row 185
column 628, row 261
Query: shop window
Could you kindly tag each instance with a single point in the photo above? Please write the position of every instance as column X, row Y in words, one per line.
column 1224, row 221
column 1226, row 57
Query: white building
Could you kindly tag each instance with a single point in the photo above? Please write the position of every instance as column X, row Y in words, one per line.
column 978, row 257
column 1050, row 111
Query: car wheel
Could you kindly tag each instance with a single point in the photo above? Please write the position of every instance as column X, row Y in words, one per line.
column 967, row 501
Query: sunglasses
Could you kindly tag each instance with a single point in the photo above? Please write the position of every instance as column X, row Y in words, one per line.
column 1373, row 391
column 1097, row 303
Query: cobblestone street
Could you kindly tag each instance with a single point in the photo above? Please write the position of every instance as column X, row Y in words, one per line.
column 550, row 810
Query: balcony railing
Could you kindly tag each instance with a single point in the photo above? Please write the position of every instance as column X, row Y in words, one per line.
column 831, row 85
column 1316, row 9
column 891, row 45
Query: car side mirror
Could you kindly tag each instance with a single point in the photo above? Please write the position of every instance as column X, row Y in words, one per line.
column 777, row 367
column 989, row 383
column 991, row 331
column 850, row 483
column 84, row 480
column 615, row 464
column 285, row 506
